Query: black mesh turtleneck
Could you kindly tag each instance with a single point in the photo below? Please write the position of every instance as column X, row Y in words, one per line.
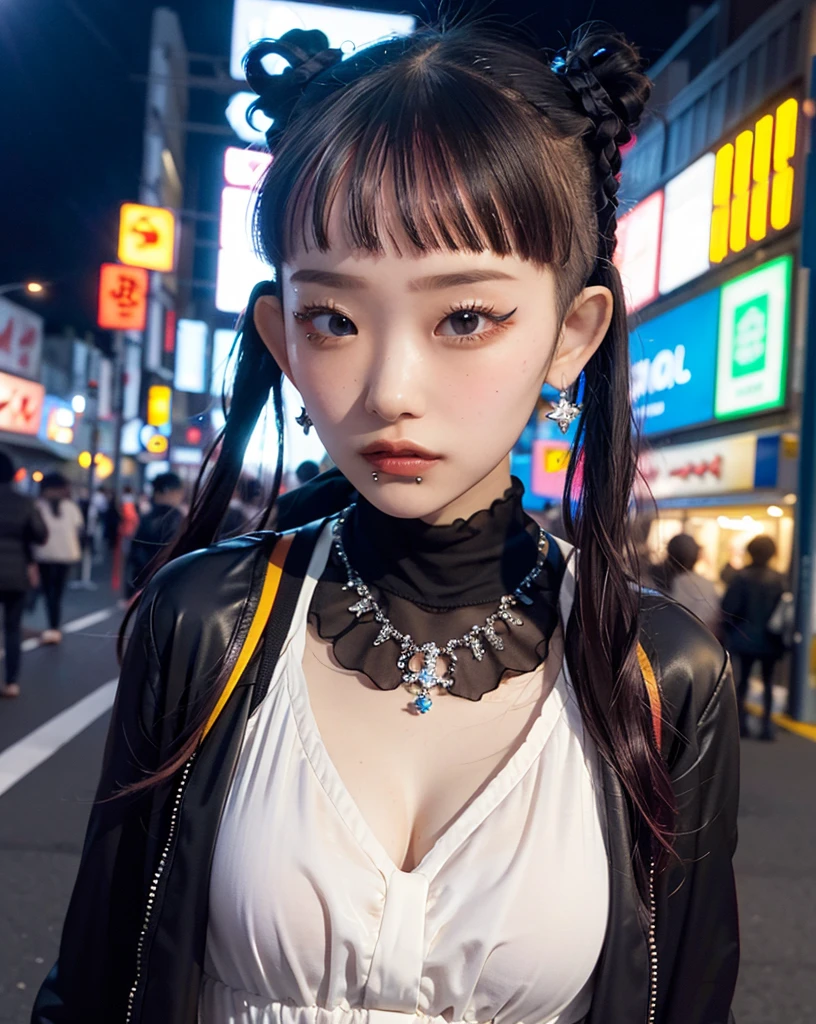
column 435, row 582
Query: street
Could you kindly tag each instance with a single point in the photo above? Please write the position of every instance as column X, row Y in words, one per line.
column 43, row 815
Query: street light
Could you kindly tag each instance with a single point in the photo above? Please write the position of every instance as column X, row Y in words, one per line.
column 32, row 287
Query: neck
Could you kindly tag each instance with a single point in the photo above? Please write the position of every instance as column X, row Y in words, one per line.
column 480, row 496
column 469, row 560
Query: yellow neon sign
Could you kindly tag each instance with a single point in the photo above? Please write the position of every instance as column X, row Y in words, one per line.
column 753, row 183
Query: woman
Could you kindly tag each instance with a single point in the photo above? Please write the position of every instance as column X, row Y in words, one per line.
column 748, row 605
column 684, row 585
column 283, row 833
column 21, row 525
column 62, row 549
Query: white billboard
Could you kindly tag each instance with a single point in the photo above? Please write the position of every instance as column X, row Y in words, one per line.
column 239, row 268
column 346, row 29
column 687, row 203
column 191, row 356
column 21, row 335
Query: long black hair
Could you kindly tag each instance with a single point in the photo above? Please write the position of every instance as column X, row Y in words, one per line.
column 460, row 140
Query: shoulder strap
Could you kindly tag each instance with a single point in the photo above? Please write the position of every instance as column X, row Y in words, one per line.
column 284, row 573
column 653, row 692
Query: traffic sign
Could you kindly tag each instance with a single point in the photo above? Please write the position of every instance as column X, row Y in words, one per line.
column 122, row 298
column 147, row 236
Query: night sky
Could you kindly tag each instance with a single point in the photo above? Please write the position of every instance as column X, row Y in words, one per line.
column 72, row 114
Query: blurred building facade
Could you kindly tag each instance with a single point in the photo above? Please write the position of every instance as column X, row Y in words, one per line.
column 56, row 400
column 709, row 254
column 711, row 257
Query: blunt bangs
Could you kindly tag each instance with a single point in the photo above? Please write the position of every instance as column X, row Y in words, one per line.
column 426, row 155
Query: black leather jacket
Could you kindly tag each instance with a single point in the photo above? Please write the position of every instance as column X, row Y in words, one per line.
column 21, row 525
column 134, row 938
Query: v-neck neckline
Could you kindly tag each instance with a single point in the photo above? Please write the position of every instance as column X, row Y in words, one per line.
column 478, row 808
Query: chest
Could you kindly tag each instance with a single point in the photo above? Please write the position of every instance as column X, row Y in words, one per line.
column 412, row 776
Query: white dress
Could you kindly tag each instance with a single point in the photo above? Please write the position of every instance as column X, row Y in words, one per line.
column 311, row 922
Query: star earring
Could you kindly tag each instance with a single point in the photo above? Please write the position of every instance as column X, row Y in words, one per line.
column 565, row 412
column 304, row 420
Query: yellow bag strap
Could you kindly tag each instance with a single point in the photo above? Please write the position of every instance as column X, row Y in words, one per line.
column 271, row 584
column 653, row 692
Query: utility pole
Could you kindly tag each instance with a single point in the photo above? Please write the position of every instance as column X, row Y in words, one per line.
column 118, row 411
column 85, row 582
column 801, row 700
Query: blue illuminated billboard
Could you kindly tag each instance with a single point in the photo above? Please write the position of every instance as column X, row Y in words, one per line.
column 674, row 363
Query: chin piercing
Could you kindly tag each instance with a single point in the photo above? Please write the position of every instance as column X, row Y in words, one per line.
column 419, row 479
column 375, row 477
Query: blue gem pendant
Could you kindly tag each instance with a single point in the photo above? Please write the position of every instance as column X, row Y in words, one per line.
column 423, row 702
column 426, row 677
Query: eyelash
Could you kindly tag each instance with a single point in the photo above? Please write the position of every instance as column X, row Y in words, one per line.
column 306, row 313
column 500, row 320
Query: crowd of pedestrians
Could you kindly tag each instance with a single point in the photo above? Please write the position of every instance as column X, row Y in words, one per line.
column 42, row 539
column 753, row 618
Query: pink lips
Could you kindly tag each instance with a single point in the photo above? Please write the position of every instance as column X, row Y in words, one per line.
column 399, row 458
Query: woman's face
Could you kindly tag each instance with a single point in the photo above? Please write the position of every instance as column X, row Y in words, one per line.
column 442, row 355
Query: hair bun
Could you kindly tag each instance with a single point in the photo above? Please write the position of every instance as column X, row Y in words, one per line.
column 307, row 53
column 605, row 73
column 604, row 76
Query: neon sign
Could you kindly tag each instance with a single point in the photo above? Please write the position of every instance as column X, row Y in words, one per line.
column 753, row 183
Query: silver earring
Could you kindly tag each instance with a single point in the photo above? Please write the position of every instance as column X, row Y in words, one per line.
column 565, row 412
column 375, row 477
column 304, row 420
column 419, row 479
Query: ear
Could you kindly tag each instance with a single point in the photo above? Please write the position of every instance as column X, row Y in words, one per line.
column 582, row 332
column 268, row 317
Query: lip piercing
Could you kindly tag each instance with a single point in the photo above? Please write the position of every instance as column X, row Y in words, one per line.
column 375, row 477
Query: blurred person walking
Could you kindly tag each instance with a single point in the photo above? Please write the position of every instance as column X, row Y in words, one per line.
column 685, row 586
column 62, row 549
column 21, row 526
column 129, row 514
column 244, row 510
column 307, row 471
column 156, row 529
column 748, row 604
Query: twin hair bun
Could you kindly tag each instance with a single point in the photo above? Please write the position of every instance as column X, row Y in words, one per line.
column 601, row 71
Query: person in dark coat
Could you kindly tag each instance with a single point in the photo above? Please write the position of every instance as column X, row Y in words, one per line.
column 156, row 529
column 748, row 604
column 21, row 526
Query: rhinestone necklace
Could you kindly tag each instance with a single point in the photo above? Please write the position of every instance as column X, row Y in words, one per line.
column 422, row 680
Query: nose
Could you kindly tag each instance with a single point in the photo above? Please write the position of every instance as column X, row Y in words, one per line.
column 397, row 379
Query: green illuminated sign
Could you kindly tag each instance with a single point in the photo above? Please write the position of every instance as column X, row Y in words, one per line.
column 752, row 347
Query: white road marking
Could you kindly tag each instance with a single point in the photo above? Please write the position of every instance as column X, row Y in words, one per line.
column 88, row 620
column 76, row 626
column 29, row 753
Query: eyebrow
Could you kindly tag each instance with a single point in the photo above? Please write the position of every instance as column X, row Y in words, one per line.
column 436, row 282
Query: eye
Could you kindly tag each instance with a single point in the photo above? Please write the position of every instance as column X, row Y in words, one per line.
column 334, row 324
column 471, row 321
column 328, row 322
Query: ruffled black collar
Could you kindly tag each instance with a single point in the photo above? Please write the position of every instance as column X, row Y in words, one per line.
column 436, row 582
column 468, row 562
